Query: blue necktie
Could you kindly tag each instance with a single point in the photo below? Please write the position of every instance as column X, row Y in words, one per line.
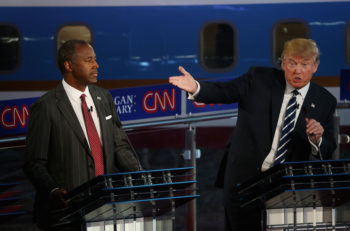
column 288, row 126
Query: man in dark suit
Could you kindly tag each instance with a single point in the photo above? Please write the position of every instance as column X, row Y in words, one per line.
column 263, row 96
column 59, row 154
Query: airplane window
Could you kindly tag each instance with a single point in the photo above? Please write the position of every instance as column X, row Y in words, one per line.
column 217, row 47
column 68, row 32
column 285, row 31
column 9, row 48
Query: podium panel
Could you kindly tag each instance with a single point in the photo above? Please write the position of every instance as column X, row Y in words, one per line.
column 128, row 196
column 140, row 224
column 298, row 195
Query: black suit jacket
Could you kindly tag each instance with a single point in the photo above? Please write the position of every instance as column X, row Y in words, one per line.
column 259, row 94
column 57, row 152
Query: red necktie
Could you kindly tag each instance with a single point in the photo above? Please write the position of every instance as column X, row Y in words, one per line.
column 94, row 139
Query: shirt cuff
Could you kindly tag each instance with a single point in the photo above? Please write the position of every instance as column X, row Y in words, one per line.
column 53, row 190
column 314, row 147
column 192, row 96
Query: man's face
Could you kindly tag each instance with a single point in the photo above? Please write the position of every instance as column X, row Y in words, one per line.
column 298, row 71
column 84, row 66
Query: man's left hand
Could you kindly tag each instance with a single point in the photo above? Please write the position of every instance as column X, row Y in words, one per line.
column 314, row 130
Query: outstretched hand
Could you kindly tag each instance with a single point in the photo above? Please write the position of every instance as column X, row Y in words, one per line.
column 185, row 81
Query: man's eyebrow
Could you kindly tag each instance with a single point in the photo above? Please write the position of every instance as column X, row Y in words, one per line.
column 91, row 57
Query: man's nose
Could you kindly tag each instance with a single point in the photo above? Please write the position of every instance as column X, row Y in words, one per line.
column 298, row 68
column 95, row 65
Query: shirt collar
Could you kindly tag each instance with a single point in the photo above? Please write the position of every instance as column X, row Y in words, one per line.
column 303, row 91
column 74, row 93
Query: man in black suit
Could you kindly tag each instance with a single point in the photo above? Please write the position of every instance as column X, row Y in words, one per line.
column 59, row 142
column 263, row 95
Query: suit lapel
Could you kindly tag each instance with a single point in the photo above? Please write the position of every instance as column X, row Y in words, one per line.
column 68, row 113
column 276, row 100
column 308, row 108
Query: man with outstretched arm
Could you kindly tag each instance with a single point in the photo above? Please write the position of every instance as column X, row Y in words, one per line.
column 282, row 116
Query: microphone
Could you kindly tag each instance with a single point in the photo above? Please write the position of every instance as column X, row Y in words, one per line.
column 307, row 115
column 90, row 109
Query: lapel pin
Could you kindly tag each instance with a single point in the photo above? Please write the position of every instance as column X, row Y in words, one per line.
column 313, row 105
column 98, row 97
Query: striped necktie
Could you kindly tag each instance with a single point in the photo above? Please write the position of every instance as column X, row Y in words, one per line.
column 94, row 139
column 288, row 126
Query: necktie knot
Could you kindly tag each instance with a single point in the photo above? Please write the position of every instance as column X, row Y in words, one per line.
column 295, row 92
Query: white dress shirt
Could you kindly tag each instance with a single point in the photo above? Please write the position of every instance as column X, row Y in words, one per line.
column 269, row 160
column 75, row 100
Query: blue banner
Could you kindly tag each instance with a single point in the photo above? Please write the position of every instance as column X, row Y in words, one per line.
column 131, row 103
column 147, row 102
column 345, row 85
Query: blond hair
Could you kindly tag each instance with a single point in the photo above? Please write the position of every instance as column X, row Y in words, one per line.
column 305, row 48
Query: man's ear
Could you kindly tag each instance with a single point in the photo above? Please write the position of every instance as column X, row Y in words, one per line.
column 315, row 67
column 283, row 65
column 67, row 66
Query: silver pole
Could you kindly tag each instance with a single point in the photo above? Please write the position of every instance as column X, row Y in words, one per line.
column 191, row 224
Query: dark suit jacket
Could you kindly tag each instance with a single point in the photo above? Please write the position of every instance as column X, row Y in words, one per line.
column 259, row 94
column 57, row 152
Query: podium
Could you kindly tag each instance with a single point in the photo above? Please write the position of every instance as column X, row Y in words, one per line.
column 110, row 198
column 295, row 185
